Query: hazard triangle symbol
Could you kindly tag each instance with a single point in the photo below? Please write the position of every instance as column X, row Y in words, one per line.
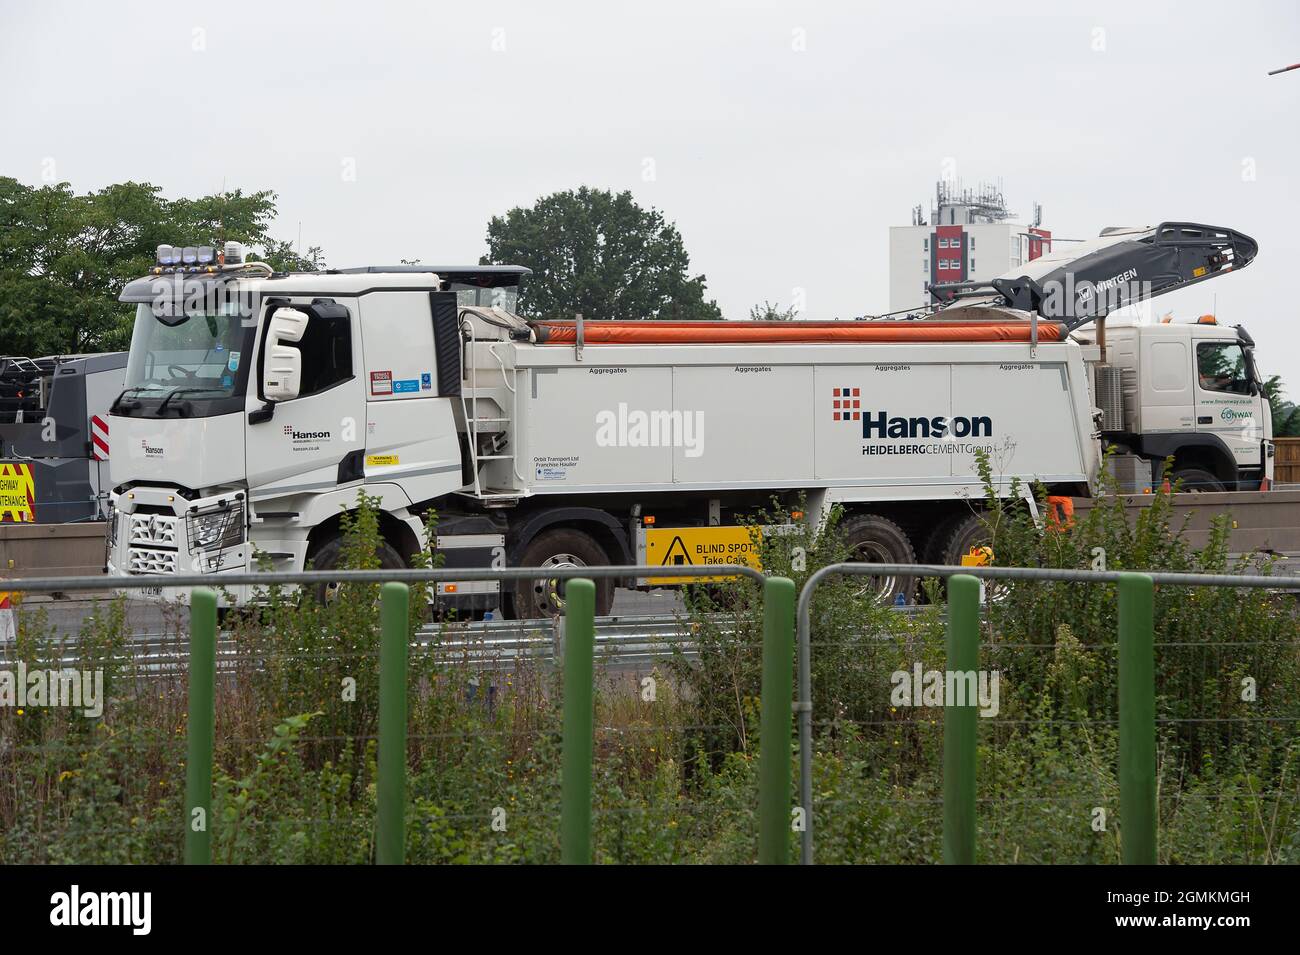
column 677, row 554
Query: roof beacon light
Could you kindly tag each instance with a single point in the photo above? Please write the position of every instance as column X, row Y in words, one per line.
column 207, row 255
column 165, row 255
column 189, row 256
column 234, row 253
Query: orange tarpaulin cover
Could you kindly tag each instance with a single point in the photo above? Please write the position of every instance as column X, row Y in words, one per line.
column 666, row 333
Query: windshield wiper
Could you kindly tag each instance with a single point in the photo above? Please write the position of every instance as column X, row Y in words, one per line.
column 179, row 391
column 117, row 402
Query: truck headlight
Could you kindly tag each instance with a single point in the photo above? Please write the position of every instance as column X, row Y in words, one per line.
column 217, row 527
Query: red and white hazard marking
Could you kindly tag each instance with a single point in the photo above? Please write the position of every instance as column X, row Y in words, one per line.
column 98, row 438
column 8, row 626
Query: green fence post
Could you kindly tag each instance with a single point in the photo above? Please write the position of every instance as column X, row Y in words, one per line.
column 201, row 726
column 390, row 796
column 579, row 716
column 1137, row 720
column 963, row 654
column 775, row 745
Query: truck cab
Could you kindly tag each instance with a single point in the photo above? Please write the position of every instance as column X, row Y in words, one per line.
column 257, row 404
column 1191, row 391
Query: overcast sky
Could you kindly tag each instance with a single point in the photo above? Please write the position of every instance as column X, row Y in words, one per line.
column 782, row 138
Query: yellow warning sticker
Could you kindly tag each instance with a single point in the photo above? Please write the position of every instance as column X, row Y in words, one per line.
column 697, row 547
column 17, row 493
column 380, row 460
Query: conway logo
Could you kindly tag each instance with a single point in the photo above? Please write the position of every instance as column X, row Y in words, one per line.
column 1232, row 414
column 881, row 425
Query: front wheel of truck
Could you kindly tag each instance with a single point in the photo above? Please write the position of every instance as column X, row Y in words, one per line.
column 329, row 556
column 561, row 548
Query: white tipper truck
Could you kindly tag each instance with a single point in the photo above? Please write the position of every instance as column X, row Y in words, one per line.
column 258, row 404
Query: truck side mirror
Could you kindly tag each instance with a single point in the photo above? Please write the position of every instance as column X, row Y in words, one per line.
column 282, row 367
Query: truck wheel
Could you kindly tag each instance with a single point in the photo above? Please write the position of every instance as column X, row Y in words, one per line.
column 330, row 555
column 1196, row 480
column 544, row 597
column 961, row 535
column 877, row 540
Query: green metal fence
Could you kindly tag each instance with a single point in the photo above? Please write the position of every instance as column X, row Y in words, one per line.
column 578, row 667
column 1137, row 704
column 1137, row 770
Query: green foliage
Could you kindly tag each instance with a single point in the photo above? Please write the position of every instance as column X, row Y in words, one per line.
column 598, row 253
column 64, row 257
column 675, row 779
column 1286, row 415
column 769, row 312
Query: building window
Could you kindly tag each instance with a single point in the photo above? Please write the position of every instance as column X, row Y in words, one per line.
column 925, row 245
column 943, row 242
column 925, row 266
column 972, row 243
column 972, row 265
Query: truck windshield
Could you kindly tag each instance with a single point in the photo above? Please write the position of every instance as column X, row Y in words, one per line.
column 194, row 367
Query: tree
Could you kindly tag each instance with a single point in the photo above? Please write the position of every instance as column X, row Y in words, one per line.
column 65, row 257
column 1286, row 415
column 768, row 312
column 600, row 254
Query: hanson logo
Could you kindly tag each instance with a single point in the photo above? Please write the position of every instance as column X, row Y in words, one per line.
column 292, row 432
column 881, row 425
column 150, row 451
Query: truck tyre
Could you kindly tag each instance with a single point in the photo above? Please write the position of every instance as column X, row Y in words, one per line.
column 1196, row 480
column 961, row 535
column 873, row 539
column 561, row 547
column 330, row 555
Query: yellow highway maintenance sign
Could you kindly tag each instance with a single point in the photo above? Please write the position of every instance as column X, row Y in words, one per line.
column 17, row 493
column 699, row 546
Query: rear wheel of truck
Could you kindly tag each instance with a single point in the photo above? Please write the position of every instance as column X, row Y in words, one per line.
column 330, row 555
column 559, row 548
column 963, row 536
column 873, row 539
column 970, row 536
column 1196, row 480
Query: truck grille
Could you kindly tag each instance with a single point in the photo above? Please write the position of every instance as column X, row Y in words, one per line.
column 153, row 529
column 143, row 560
